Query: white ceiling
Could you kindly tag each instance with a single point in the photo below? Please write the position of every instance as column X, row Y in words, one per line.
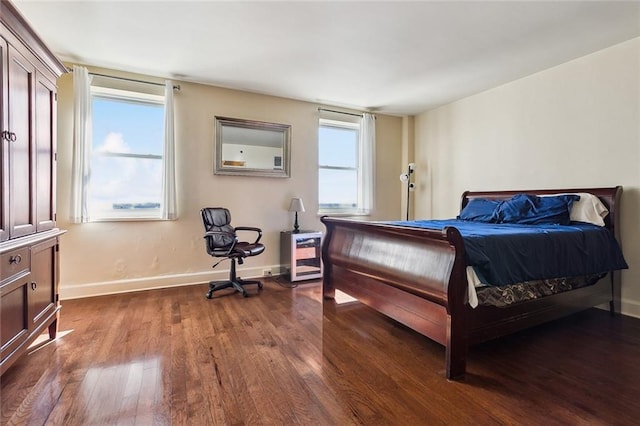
column 389, row 56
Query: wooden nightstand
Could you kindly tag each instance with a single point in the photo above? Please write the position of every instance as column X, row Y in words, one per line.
column 300, row 254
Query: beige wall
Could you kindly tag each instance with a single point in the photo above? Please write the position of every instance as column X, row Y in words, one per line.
column 101, row 258
column 574, row 125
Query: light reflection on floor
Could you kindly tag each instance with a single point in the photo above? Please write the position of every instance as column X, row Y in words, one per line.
column 342, row 298
column 124, row 392
column 43, row 340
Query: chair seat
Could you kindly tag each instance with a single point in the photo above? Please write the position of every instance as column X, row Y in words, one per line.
column 249, row 249
column 242, row 249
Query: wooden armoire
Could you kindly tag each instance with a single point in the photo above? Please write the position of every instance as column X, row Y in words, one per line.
column 28, row 235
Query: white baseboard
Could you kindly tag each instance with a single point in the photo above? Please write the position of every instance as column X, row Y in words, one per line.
column 77, row 291
column 630, row 308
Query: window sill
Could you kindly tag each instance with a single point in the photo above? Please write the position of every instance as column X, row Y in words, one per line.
column 129, row 216
column 130, row 219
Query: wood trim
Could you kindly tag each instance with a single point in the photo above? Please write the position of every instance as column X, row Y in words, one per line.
column 19, row 27
column 30, row 239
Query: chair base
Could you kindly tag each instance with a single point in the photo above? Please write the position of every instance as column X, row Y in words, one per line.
column 234, row 281
column 237, row 285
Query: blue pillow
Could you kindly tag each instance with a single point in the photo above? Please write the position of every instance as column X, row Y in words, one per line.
column 515, row 208
column 480, row 210
column 533, row 210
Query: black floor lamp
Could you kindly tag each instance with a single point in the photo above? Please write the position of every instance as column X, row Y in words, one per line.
column 406, row 177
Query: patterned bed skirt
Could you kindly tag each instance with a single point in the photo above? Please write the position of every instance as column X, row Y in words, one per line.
column 502, row 296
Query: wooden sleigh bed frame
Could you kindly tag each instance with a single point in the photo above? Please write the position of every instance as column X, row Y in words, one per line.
column 404, row 273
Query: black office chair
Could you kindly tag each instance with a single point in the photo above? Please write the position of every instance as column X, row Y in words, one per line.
column 222, row 241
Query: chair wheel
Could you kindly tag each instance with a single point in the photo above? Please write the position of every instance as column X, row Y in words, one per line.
column 260, row 286
column 245, row 294
column 209, row 294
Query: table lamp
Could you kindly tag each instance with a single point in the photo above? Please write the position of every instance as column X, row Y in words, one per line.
column 296, row 206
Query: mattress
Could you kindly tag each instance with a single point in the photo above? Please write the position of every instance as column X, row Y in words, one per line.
column 524, row 262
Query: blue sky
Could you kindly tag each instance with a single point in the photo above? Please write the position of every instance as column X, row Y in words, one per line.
column 339, row 147
column 140, row 124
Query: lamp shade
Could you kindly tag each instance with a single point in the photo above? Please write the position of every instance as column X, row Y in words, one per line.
column 296, row 205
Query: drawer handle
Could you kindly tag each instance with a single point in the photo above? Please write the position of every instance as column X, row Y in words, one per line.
column 9, row 136
column 34, row 285
column 15, row 260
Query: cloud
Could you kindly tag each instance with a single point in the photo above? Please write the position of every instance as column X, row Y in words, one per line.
column 114, row 142
column 116, row 179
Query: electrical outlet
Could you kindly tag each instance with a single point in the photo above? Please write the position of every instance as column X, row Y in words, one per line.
column 266, row 273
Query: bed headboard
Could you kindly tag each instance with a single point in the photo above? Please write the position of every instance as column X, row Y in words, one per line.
column 610, row 197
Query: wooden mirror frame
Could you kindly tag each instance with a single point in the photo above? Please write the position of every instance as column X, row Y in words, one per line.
column 264, row 134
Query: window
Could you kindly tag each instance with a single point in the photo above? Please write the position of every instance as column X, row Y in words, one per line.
column 123, row 149
column 126, row 156
column 345, row 173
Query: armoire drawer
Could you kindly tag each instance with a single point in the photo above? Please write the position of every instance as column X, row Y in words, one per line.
column 14, row 262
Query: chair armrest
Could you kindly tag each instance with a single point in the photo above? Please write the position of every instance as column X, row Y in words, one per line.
column 253, row 229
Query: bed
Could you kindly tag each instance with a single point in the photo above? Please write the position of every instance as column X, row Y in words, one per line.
column 419, row 277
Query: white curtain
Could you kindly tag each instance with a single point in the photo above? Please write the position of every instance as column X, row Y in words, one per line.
column 169, row 208
column 367, row 161
column 82, row 133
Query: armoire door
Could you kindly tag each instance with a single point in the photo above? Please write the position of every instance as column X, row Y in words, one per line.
column 4, row 144
column 42, row 292
column 45, row 119
column 21, row 147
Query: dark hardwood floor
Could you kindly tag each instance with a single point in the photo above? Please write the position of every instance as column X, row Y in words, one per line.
column 173, row 357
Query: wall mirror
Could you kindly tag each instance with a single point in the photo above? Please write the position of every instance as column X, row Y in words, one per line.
column 251, row 148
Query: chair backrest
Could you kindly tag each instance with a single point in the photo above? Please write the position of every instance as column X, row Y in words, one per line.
column 218, row 219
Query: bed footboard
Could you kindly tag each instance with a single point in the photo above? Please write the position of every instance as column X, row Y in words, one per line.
column 415, row 276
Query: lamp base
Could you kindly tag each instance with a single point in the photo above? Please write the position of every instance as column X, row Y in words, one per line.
column 296, row 228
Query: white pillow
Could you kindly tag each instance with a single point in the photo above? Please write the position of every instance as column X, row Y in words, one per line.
column 587, row 209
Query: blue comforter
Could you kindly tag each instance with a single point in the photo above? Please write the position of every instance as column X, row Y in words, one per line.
column 504, row 254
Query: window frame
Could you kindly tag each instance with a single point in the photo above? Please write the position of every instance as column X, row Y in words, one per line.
column 358, row 210
column 136, row 97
